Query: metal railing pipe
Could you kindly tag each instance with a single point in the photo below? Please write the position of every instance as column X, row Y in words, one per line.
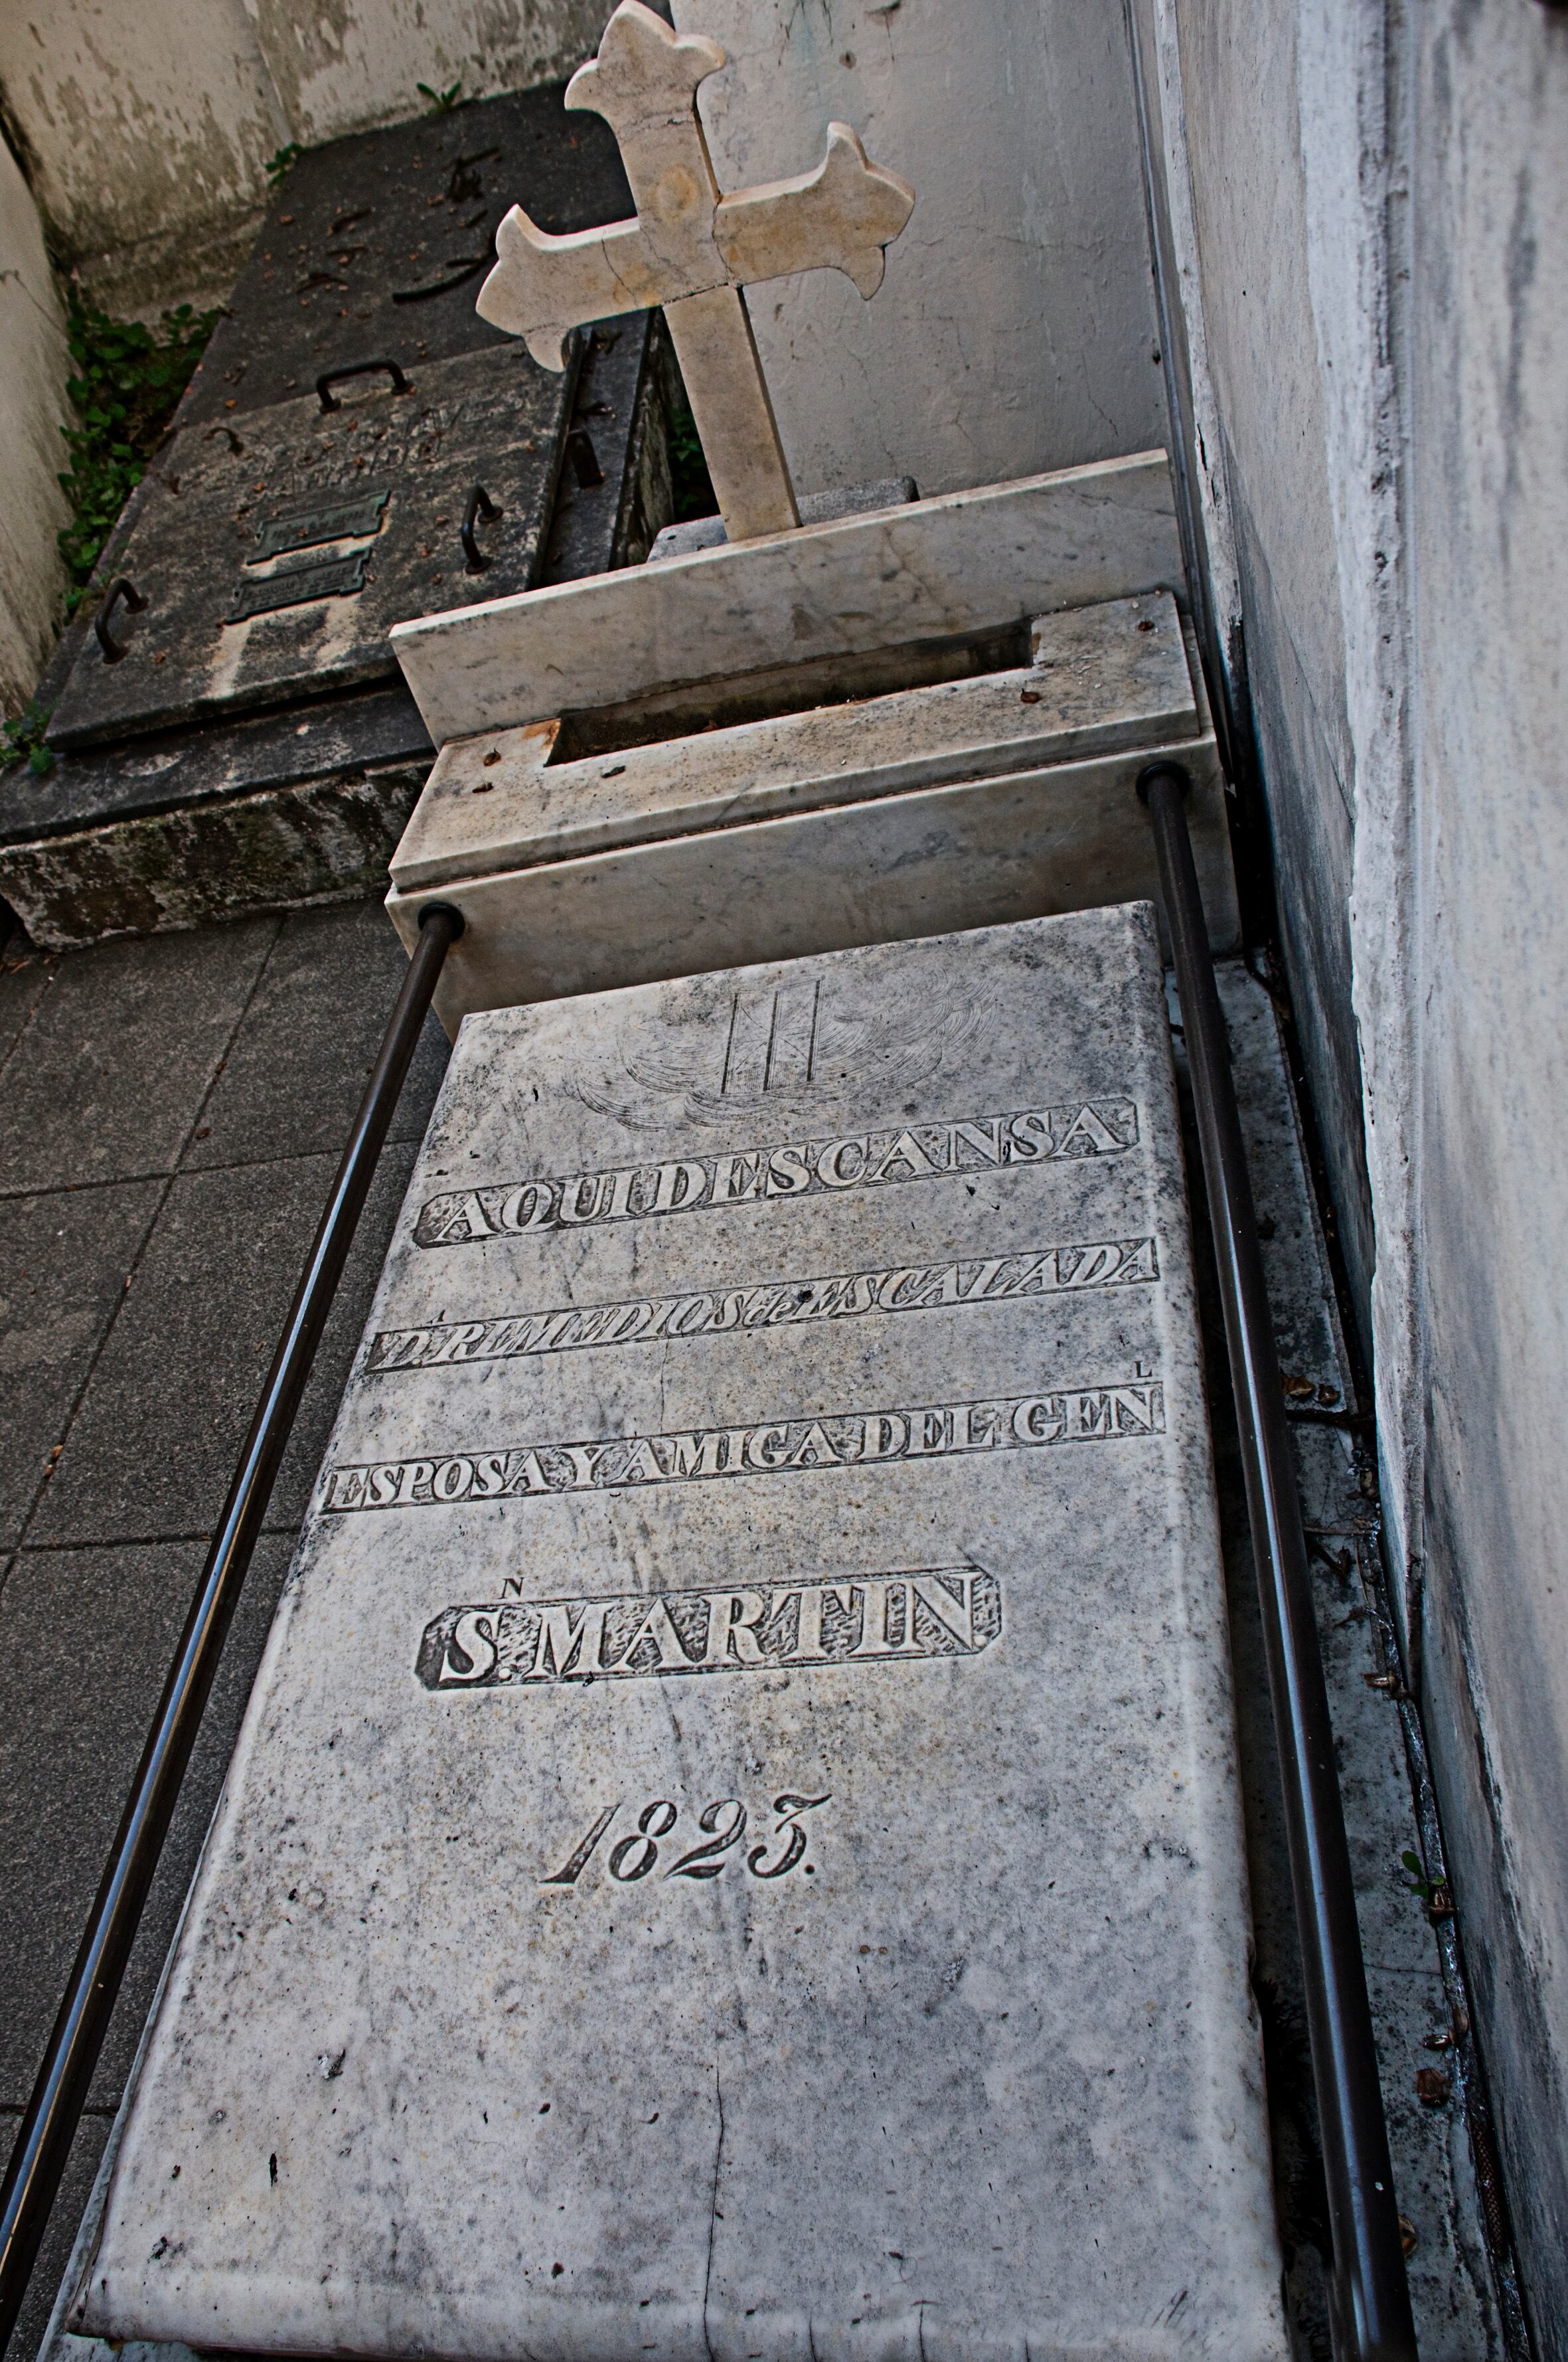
column 43, row 2141
column 1370, row 2297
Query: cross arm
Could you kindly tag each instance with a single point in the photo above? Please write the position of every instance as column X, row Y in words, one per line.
column 542, row 287
column 839, row 217
column 645, row 77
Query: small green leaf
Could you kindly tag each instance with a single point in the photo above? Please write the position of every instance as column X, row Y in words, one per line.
column 126, row 387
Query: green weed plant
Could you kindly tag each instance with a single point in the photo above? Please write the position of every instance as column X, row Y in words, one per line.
column 124, row 388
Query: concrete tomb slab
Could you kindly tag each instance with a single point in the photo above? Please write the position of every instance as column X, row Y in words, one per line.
column 270, row 558
column 734, row 1849
column 373, row 247
column 963, row 804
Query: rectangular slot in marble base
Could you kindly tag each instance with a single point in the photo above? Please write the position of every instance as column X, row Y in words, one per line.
column 962, row 804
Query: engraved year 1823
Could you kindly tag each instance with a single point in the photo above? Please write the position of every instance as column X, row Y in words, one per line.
column 652, row 1848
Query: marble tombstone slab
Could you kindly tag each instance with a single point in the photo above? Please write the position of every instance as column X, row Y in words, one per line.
column 734, row 1850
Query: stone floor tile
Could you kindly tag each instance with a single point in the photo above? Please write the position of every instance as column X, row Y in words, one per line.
column 86, row 1637
column 21, row 989
column 154, row 1446
column 110, row 1073
column 75, row 2189
column 298, row 1068
column 198, row 1797
column 63, row 1262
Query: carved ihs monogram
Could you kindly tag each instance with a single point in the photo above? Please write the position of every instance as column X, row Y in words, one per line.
column 771, row 1042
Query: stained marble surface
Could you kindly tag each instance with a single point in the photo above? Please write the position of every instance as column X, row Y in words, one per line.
column 965, row 803
column 961, row 565
column 1103, row 679
column 734, row 1850
column 816, row 508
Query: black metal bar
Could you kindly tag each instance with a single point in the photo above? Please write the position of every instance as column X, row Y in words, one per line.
column 43, row 2142
column 1371, row 2303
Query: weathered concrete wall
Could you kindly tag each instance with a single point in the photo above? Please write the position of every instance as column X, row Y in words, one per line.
column 32, row 371
column 1488, row 1366
column 1016, row 327
column 1379, row 262
column 1252, row 309
column 145, row 134
column 147, row 129
column 353, row 65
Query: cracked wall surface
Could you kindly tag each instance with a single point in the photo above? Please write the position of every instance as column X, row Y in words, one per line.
column 1379, row 208
column 1015, row 328
column 146, row 132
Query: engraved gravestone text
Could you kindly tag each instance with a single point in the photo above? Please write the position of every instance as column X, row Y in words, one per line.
column 854, row 1621
column 644, row 1321
column 879, row 1157
column 641, row 1850
column 1092, row 1414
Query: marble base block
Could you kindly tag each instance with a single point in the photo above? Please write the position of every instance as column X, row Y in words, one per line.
column 966, row 804
column 943, row 570
column 734, row 1852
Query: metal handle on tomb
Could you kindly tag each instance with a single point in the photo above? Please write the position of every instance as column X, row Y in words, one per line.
column 329, row 378
column 585, row 460
column 479, row 505
column 1370, row 2307
column 44, row 2139
column 125, row 589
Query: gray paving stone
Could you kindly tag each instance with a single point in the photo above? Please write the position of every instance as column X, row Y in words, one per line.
column 21, row 989
column 198, row 1794
column 63, row 1262
column 295, row 1075
column 109, row 1075
column 86, row 1637
column 154, row 1446
column 75, row 2189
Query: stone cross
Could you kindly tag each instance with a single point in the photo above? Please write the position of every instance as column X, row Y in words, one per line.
column 692, row 250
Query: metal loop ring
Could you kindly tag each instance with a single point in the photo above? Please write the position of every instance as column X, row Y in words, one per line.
column 329, row 378
column 479, row 505
column 125, row 589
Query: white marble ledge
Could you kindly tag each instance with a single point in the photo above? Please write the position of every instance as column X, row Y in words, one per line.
column 961, row 563
column 1103, row 679
column 982, row 853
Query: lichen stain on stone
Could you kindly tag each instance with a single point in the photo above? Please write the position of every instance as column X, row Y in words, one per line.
column 122, row 165
column 283, row 849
